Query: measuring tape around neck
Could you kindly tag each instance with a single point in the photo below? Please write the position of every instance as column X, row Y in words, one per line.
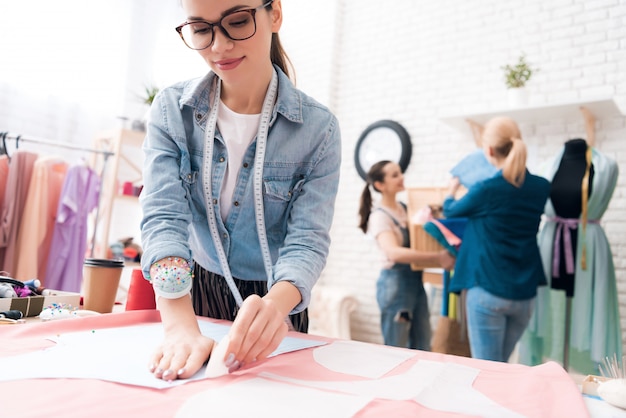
column 259, row 158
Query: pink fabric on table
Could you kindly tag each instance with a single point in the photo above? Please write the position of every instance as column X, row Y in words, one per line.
column 540, row 391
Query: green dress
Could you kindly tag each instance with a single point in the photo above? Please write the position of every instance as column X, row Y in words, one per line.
column 595, row 331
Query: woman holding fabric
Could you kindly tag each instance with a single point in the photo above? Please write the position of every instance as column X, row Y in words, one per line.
column 404, row 313
column 241, row 173
column 499, row 262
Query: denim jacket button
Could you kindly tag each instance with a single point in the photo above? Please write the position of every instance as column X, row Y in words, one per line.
column 198, row 116
column 245, row 165
column 222, row 159
column 236, row 203
column 215, row 201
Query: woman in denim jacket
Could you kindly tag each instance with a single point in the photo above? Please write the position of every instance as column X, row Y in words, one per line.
column 240, row 177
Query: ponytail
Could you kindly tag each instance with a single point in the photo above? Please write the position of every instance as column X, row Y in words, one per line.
column 503, row 135
column 514, row 170
column 374, row 174
column 365, row 208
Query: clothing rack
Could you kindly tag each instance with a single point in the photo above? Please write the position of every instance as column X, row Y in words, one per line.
column 20, row 138
column 4, row 136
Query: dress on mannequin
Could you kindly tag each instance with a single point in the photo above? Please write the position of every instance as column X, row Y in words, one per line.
column 566, row 198
column 594, row 327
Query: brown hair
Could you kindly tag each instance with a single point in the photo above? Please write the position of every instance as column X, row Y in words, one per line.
column 278, row 55
column 279, row 58
column 374, row 174
column 503, row 136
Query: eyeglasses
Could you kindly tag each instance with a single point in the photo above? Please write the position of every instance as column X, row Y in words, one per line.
column 238, row 26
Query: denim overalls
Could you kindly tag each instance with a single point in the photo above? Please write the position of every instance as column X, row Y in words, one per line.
column 405, row 317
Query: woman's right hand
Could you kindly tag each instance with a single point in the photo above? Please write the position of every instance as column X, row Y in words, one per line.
column 181, row 354
column 446, row 260
column 184, row 349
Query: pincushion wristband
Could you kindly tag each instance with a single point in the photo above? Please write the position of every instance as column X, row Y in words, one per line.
column 171, row 277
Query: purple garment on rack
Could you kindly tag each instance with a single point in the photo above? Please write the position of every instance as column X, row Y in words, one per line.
column 79, row 197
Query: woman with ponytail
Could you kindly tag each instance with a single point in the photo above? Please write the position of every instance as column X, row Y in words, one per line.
column 241, row 171
column 405, row 317
column 499, row 262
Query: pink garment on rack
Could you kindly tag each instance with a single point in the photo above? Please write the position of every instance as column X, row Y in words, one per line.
column 4, row 174
column 35, row 233
column 18, row 180
column 79, row 197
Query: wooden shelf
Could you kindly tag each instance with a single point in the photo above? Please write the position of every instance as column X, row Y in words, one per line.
column 128, row 197
column 601, row 108
column 124, row 166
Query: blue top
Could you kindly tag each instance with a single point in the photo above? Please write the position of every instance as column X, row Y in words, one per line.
column 499, row 251
column 300, row 181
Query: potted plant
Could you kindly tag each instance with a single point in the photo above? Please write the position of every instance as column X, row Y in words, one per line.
column 147, row 97
column 515, row 77
column 149, row 93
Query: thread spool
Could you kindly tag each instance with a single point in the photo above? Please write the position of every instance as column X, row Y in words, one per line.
column 140, row 293
column 12, row 314
column 33, row 283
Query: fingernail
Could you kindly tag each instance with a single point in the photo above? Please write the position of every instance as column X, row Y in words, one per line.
column 152, row 367
column 230, row 360
column 234, row 367
column 159, row 371
column 180, row 371
column 167, row 373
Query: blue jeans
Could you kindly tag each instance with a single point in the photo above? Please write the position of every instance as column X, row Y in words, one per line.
column 495, row 324
column 405, row 317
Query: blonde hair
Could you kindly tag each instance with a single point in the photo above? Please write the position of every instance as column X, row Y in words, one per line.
column 503, row 136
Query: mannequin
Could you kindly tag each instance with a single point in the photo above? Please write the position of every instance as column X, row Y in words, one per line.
column 592, row 331
column 566, row 197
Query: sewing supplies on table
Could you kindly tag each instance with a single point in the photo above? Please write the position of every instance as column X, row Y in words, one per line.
column 613, row 390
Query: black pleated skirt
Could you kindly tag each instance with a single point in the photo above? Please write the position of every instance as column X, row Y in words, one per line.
column 212, row 297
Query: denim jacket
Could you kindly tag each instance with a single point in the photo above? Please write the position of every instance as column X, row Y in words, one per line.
column 300, row 181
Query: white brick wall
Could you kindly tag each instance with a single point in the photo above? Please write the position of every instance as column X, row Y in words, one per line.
column 413, row 61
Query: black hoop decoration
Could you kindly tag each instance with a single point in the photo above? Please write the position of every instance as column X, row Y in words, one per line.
column 382, row 140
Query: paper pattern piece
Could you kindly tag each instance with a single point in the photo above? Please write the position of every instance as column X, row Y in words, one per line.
column 473, row 169
column 360, row 359
column 114, row 354
column 439, row 386
column 288, row 401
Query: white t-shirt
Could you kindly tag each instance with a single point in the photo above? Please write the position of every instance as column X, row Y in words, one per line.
column 380, row 221
column 238, row 131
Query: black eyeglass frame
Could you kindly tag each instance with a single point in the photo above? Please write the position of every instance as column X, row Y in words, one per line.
column 212, row 26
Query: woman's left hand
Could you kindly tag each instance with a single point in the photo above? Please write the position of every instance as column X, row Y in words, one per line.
column 257, row 331
column 446, row 260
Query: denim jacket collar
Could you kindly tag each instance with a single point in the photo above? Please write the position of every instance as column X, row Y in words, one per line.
column 288, row 102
